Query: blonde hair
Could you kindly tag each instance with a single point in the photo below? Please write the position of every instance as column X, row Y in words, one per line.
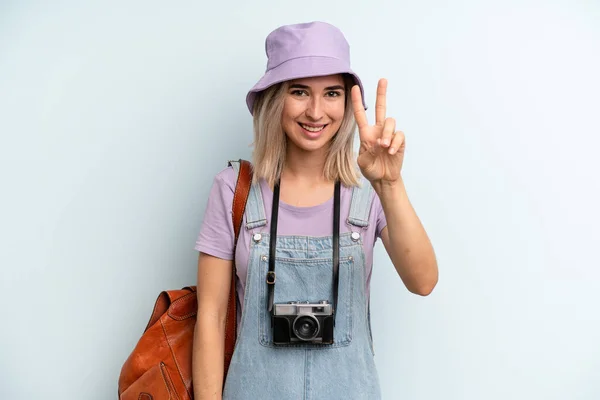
column 270, row 141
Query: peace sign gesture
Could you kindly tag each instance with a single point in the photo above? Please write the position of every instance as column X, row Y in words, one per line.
column 381, row 151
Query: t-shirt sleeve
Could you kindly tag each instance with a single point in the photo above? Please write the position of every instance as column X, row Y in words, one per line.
column 216, row 231
column 379, row 216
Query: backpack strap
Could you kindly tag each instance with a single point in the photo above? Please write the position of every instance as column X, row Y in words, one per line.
column 242, row 191
column 240, row 197
column 255, row 208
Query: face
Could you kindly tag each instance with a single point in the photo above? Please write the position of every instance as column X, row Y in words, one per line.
column 313, row 111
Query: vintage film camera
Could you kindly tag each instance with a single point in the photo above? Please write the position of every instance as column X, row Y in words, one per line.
column 303, row 322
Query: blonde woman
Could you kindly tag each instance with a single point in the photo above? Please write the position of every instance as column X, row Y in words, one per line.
column 305, row 251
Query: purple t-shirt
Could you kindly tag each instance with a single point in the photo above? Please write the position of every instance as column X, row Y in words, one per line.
column 216, row 233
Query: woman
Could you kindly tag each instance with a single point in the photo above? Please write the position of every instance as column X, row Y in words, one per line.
column 312, row 209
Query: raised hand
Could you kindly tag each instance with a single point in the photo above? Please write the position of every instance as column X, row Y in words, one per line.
column 381, row 151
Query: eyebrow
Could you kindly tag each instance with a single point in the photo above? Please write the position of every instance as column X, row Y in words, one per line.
column 328, row 88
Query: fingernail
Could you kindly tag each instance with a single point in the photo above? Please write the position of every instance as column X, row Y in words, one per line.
column 386, row 142
column 392, row 150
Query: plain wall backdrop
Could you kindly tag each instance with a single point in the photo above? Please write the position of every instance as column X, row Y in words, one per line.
column 114, row 118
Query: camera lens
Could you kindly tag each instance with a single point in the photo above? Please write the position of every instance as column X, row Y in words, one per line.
column 306, row 327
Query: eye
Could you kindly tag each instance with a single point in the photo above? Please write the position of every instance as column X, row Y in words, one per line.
column 333, row 93
column 299, row 92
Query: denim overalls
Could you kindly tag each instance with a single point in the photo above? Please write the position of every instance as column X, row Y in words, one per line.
column 345, row 370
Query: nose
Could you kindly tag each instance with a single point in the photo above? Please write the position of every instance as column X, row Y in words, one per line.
column 314, row 109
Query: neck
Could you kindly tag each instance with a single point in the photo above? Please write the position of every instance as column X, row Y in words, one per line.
column 305, row 166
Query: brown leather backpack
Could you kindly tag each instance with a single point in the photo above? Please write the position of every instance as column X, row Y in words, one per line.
column 160, row 366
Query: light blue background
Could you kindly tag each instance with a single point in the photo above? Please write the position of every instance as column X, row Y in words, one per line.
column 114, row 119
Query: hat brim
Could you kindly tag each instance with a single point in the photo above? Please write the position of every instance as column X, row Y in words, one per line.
column 304, row 67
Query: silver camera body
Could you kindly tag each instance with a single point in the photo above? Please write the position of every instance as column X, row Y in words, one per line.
column 303, row 322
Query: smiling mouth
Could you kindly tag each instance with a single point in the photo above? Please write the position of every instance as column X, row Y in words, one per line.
column 313, row 129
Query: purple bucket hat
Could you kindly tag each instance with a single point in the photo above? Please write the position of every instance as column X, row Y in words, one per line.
column 303, row 51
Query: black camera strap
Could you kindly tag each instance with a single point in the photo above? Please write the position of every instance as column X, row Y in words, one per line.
column 273, row 244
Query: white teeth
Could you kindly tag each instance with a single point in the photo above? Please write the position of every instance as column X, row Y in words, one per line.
column 312, row 129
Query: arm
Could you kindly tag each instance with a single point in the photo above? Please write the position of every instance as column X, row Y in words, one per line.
column 405, row 239
column 214, row 279
column 380, row 160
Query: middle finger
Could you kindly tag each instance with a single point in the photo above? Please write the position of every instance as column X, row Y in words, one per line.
column 389, row 126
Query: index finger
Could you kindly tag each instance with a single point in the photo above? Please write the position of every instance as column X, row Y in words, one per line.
column 359, row 110
column 380, row 102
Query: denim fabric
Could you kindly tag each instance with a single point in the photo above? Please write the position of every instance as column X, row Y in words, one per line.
column 344, row 370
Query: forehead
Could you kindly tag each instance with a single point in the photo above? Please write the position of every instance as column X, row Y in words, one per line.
column 320, row 81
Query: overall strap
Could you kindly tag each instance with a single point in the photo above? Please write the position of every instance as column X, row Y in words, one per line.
column 360, row 205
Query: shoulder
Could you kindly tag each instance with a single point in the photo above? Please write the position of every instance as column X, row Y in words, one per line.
column 226, row 178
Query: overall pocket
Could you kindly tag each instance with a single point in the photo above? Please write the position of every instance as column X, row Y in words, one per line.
column 307, row 280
